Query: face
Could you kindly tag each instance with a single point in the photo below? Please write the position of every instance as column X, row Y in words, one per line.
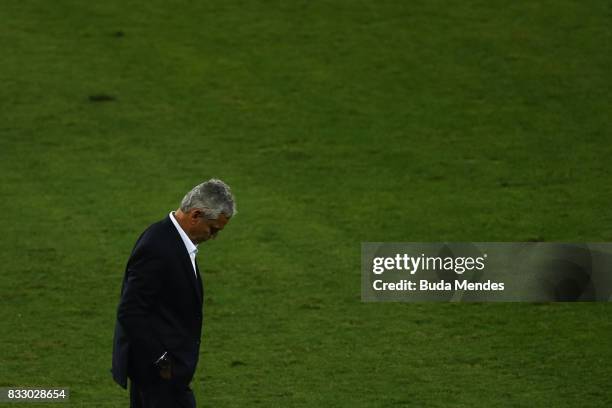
column 202, row 229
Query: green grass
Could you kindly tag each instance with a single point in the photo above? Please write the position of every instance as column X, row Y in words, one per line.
column 335, row 123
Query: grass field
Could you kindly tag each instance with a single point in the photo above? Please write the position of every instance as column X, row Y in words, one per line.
column 335, row 122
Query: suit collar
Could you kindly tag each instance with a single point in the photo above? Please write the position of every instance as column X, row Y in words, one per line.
column 189, row 245
column 181, row 253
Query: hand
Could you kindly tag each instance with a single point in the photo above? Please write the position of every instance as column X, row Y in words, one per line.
column 166, row 372
column 164, row 366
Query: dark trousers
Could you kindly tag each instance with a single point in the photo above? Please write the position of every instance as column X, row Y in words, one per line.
column 162, row 394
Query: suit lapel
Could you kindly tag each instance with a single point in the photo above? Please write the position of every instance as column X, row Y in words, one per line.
column 200, row 284
column 187, row 267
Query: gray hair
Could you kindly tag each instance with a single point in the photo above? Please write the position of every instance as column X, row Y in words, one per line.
column 212, row 196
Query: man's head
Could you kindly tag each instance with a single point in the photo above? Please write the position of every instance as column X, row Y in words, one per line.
column 205, row 210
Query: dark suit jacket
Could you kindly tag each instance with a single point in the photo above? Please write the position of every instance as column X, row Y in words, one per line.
column 160, row 309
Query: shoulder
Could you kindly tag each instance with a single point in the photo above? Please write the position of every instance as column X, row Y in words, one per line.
column 156, row 239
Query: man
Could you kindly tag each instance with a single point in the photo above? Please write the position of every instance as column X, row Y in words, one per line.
column 159, row 318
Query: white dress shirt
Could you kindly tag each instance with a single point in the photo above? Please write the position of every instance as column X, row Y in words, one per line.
column 192, row 249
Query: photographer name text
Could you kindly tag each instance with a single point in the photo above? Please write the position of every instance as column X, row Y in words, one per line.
column 414, row 264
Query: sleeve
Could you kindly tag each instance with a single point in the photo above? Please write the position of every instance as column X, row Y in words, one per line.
column 142, row 285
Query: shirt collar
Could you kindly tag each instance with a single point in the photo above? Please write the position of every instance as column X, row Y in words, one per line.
column 191, row 247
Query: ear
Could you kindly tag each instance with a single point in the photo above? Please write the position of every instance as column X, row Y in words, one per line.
column 195, row 214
